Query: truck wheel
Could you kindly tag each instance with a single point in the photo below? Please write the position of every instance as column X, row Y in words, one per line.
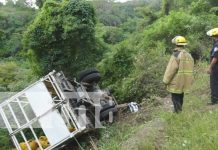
column 107, row 106
column 105, row 114
column 84, row 73
column 93, row 77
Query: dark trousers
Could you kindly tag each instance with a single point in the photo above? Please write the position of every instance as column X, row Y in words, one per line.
column 177, row 101
column 214, row 86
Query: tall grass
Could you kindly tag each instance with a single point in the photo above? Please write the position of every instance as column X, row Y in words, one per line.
column 195, row 128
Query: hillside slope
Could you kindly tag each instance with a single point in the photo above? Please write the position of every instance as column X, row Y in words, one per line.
column 156, row 127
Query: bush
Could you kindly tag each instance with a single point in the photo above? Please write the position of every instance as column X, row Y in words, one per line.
column 117, row 64
column 135, row 67
column 13, row 77
column 200, row 6
column 145, row 79
column 5, row 141
column 214, row 10
column 113, row 35
column 62, row 37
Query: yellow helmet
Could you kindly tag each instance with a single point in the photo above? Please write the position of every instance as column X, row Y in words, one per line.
column 179, row 40
column 212, row 32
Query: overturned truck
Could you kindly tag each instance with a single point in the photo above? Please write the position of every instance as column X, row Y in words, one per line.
column 56, row 109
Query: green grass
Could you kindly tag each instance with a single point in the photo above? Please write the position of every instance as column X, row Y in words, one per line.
column 196, row 128
column 113, row 136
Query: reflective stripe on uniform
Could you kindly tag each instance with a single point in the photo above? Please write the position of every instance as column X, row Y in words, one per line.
column 174, row 91
column 177, row 91
column 185, row 71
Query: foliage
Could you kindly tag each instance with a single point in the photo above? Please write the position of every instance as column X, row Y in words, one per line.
column 194, row 128
column 130, row 44
column 148, row 13
column 145, row 81
column 200, row 6
column 136, row 76
column 167, row 4
column 63, row 36
column 113, row 35
column 214, row 10
column 214, row 3
column 117, row 64
column 13, row 21
column 120, row 67
column 13, row 77
column 40, row 3
column 131, row 70
column 7, row 74
column 5, row 142
column 114, row 14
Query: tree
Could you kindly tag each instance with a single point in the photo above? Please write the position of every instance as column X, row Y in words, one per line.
column 13, row 21
column 21, row 4
column 62, row 37
column 166, row 6
column 200, row 6
column 213, row 2
column 10, row 3
column 40, row 3
column 114, row 14
column 7, row 74
column 113, row 35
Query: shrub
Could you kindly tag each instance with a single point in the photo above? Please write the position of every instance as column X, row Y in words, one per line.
column 113, row 35
column 135, row 67
column 62, row 37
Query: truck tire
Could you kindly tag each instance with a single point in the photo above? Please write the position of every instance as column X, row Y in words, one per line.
column 107, row 106
column 90, row 78
column 105, row 114
column 84, row 73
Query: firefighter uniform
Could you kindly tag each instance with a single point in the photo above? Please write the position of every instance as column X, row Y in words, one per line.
column 214, row 74
column 179, row 75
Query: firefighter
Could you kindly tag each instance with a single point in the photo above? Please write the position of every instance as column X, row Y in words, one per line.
column 213, row 67
column 178, row 76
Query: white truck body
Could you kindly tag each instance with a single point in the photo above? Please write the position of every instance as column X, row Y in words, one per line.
column 42, row 105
